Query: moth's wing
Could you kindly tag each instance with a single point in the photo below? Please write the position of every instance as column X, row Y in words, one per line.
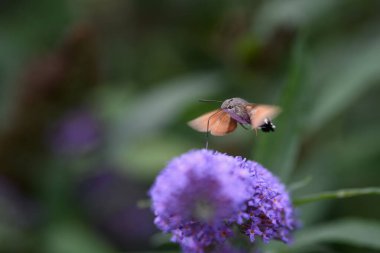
column 200, row 123
column 219, row 123
column 224, row 125
column 258, row 113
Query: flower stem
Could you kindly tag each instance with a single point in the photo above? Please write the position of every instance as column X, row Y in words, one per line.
column 344, row 193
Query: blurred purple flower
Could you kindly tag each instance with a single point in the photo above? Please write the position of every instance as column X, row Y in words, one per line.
column 109, row 200
column 200, row 195
column 77, row 132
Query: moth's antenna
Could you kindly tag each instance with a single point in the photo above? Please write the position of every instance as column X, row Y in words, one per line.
column 208, row 124
column 210, row 100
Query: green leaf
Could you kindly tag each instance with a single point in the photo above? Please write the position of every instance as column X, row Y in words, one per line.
column 351, row 76
column 74, row 238
column 344, row 193
column 299, row 184
column 135, row 138
column 279, row 151
column 158, row 107
column 151, row 113
column 362, row 233
column 149, row 155
column 360, row 146
column 298, row 13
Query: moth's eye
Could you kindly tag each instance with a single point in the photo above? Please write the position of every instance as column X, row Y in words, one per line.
column 229, row 107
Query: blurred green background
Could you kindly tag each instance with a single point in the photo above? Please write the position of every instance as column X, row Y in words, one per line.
column 95, row 96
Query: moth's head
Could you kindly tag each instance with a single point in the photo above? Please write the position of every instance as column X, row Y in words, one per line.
column 232, row 103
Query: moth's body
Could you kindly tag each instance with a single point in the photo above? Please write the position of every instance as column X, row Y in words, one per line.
column 236, row 110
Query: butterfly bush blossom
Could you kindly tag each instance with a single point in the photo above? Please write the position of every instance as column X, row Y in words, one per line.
column 202, row 195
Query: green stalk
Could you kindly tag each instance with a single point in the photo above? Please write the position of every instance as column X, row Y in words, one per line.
column 344, row 193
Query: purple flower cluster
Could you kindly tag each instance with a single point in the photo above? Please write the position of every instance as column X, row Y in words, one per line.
column 269, row 213
column 200, row 196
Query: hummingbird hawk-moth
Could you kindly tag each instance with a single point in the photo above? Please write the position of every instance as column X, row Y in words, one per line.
column 235, row 111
